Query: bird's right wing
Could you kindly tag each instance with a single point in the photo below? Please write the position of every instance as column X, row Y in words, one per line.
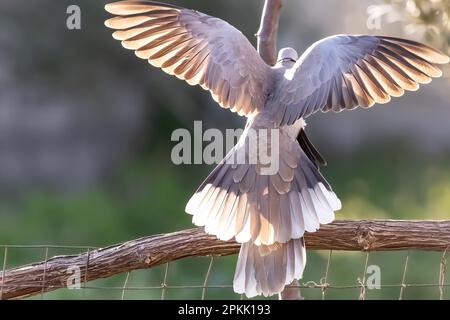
column 344, row 71
column 195, row 47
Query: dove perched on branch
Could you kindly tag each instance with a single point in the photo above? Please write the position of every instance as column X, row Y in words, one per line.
column 269, row 212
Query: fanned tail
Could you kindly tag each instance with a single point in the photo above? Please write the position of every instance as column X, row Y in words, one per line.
column 268, row 214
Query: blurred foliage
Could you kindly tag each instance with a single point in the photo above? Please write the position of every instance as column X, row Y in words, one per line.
column 430, row 19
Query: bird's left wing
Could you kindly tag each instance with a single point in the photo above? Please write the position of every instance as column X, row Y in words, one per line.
column 343, row 72
column 195, row 47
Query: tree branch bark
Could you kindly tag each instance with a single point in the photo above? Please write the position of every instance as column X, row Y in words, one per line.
column 268, row 31
column 156, row 250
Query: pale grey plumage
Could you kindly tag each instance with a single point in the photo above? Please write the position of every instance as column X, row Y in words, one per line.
column 343, row 72
column 195, row 47
column 269, row 213
column 267, row 269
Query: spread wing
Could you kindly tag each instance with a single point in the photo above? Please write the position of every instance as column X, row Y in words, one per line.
column 343, row 72
column 195, row 47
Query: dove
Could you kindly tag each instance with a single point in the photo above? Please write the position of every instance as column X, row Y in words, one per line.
column 268, row 213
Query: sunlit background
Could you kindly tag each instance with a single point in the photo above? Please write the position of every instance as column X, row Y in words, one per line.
column 85, row 140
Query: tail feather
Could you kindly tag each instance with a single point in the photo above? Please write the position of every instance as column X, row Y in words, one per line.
column 264, row 271
column 310, row 150
column 268, row 214
column 237, row 201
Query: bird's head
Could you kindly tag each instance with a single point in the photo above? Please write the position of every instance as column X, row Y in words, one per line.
column 287, row 56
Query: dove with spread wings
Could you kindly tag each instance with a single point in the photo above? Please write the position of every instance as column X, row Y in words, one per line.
column 269, row 213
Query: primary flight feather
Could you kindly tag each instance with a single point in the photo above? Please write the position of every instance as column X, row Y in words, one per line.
column 269, row 213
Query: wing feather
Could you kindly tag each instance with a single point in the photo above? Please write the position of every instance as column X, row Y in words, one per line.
column 342, row 72
column 195, row 47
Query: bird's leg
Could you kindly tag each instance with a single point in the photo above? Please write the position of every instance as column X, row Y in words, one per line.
column 291, row 292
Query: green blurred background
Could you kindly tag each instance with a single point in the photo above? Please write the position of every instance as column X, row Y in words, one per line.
column 85, row 143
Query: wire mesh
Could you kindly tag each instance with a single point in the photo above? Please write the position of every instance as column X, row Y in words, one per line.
column 328, row 275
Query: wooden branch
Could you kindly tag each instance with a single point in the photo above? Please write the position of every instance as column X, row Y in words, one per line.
column 156, row 250
column 268, row 30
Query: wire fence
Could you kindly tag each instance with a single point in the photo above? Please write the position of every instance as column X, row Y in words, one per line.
column 329, row 274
